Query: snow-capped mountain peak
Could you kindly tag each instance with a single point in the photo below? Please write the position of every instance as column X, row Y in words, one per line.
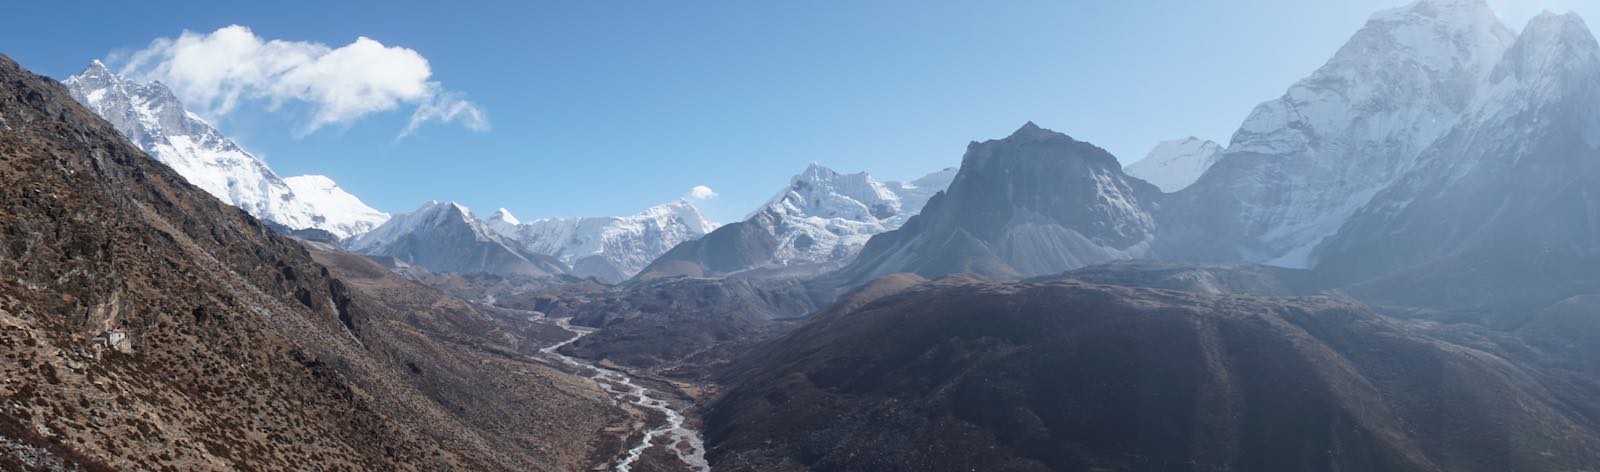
column 432, row 214
column 1174, row 165
column 1511, row 181
column 1301, row 165
column 152, row 118
column 822, row 192
column 1552, row 47
column 504, row 216
column 821, row 219
column 613, row 248
column 502, row 222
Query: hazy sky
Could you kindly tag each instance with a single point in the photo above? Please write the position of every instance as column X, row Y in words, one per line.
column 607, row 107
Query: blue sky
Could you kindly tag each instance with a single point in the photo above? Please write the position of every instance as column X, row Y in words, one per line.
column 608, row 107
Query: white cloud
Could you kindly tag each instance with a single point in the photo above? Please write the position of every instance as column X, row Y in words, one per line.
column 702, row 193
column 215, row 72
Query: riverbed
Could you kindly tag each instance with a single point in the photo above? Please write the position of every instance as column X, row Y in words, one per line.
column 681, row 440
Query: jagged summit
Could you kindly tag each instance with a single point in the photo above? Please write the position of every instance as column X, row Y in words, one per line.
column 1552, row 47
column 504, row 215
column 1033, row 134
column 96, row 69
column 1028, row 129
column 1436, row 8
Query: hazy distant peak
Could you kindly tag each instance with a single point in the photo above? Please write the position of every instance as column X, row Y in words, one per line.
column 1175, row 164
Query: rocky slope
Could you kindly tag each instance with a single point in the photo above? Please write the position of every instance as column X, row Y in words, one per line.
column 1174, row 165
column 446, row 237
column 1037, row 202
column 1301, row 165
column 226, row 346
column 964, row 375
column 822, row 219
column 611, row 248
column 483, row 367
column 150, row 116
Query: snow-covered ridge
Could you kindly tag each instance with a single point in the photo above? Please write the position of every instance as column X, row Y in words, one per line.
column 1514, row 176
column 1176, row 164
column 152, row 118
column 614, row 247
column 1302, row 164
column 825, row 216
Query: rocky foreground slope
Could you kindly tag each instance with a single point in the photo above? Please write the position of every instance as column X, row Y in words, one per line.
column 959, row 374
column 149, row 326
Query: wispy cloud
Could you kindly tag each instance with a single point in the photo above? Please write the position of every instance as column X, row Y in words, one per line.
column 447, row 107
column 215, row 72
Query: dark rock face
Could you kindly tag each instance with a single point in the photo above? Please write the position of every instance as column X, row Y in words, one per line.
column 1035, row 203
column 964, row 375
column 732, row 248
column 236, row 349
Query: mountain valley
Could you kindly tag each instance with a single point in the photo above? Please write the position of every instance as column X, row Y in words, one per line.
column 1389, row 267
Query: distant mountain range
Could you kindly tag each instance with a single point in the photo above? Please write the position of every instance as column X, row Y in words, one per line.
column 446, row 237
column 611, row 248
column 822, row 218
